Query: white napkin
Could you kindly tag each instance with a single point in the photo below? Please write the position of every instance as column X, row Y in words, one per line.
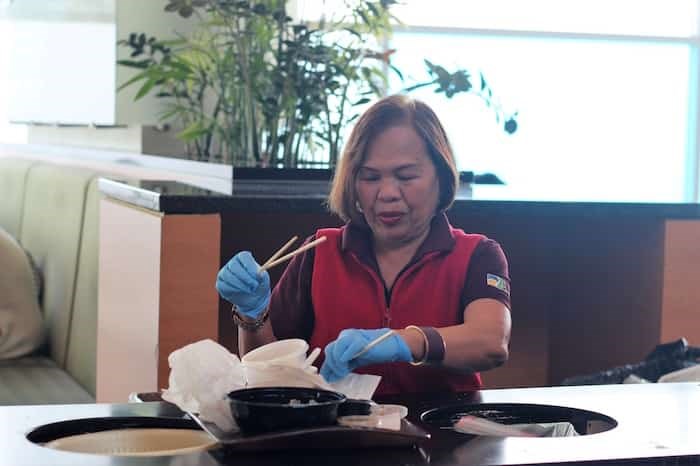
column 479, row 426
column 358, row 386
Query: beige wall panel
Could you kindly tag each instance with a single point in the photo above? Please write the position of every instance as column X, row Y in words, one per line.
column 188, row 300
column 128, row 303
column 681, row 292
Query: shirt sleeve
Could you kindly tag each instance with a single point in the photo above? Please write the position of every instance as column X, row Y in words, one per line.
column 487, row 275
column 291, row 308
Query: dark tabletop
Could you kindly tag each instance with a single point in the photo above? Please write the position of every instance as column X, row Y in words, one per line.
column 656, row 424
column 173, row 197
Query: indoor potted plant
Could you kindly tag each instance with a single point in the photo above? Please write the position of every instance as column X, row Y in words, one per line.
column 251, row 87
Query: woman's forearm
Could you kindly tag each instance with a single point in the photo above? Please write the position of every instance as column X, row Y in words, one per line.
column 479, row 344
column 472, row 351
column 250, row 339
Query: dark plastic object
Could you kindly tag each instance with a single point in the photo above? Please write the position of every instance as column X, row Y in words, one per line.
column 258, row 410
column 665, row 358
column 353, row 407
column 306, row 174
column 487, row 178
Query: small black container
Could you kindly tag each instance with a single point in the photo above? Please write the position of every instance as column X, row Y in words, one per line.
column 258, row 410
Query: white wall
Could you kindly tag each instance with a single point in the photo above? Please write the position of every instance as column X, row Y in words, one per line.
column 8, row 133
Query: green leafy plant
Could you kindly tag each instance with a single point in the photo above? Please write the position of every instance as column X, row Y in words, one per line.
column 459, row 81
column 252, row 87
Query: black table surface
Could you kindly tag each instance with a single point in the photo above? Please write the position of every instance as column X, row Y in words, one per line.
column 172, row 197
column 656, row 424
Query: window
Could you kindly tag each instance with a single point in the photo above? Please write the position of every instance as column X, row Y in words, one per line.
column 9, row 133
column 619, row 17
column 606, row 91
column 598, row 119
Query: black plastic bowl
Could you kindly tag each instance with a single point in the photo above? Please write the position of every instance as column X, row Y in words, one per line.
column 264, row 409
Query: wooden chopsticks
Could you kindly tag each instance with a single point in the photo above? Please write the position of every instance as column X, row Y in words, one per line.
column 276, row 260
column 279, row 251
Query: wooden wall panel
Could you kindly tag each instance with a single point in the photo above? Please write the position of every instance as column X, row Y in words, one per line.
column 607, row 294
column 681, row 290
column 190, row 254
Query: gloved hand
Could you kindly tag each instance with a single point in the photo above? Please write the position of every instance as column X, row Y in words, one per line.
column 238, row 282
column 339, row 353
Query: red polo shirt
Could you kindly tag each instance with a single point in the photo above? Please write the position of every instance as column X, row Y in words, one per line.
column 339, row 286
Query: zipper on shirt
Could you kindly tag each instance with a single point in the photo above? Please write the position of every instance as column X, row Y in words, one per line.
column 384, row 292
column 387, row 304
column 388, row 292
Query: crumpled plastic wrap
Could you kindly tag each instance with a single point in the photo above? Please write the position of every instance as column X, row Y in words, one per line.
column 201, row 374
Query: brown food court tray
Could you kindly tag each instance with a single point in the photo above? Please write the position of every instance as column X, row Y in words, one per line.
column 334, row 436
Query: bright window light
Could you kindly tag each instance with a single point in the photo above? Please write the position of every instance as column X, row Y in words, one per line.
column 675, row 18
column 598, row 120
column 667, row 18
column 9, row 133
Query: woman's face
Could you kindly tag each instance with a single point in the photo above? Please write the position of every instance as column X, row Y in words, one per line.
column 397, row 187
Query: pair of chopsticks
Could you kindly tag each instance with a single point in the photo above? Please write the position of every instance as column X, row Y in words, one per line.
column 276, row 259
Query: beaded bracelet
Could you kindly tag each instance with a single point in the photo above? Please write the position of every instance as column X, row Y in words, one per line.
column 246, row 324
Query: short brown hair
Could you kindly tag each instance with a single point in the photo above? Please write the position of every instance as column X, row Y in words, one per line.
column 388, row 112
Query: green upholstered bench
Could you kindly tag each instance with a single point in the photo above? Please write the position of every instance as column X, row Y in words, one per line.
column 52, row 210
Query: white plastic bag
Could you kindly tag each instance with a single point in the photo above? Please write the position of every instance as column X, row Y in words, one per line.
column 201, row 374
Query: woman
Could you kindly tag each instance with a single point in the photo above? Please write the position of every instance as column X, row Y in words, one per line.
column 396, row 264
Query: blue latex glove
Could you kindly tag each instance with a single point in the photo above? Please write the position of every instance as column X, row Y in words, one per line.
column 238, row 282
column 339, row 353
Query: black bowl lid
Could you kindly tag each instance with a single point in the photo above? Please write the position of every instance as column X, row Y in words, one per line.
column 281, row 396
